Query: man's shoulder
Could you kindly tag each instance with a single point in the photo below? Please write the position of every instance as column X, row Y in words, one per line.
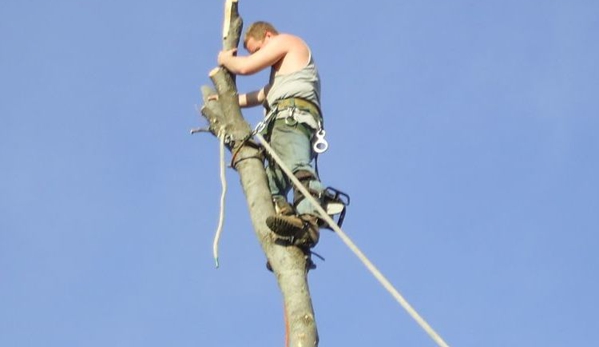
column 286, row 36
column 290, row 39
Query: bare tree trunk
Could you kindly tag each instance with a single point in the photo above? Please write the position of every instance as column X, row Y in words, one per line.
column 288, row 263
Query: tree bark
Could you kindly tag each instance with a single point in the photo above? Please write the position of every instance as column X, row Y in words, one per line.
column 288, row 263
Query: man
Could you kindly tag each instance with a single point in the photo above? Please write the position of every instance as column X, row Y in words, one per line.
column 292, row 96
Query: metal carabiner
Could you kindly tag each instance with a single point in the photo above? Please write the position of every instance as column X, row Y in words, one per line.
column 320, row 145
column 262, row 124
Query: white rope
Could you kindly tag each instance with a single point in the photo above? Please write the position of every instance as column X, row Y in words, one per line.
column 223, row 181
column 377, row 274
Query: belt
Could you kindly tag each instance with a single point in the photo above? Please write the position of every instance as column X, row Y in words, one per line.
column 301, row 104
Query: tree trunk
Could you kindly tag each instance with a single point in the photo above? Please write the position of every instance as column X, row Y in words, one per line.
column 288, row 263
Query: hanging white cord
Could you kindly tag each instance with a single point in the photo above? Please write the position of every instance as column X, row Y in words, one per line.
column 377, row 274
column 223, row 181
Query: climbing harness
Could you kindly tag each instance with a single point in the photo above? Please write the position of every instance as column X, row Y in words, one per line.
column 320, row 144
column 334, row 201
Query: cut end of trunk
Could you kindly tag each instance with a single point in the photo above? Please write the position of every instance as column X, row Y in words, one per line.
column 213, row 72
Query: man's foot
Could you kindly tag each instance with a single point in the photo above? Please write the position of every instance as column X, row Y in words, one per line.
column 303, row 231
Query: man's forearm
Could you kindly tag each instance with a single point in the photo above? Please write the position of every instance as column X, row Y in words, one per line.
column 237, row 65
column 251, row 99
column 228, row 60
column 233, row 66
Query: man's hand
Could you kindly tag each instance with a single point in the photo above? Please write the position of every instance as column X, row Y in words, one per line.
column 226, row 56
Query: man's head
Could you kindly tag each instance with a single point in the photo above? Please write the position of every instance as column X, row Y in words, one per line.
column 257, row 35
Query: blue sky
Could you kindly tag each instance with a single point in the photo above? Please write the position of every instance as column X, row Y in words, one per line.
column 464, row 131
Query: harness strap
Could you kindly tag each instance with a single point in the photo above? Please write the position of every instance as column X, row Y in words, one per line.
column 300, row 104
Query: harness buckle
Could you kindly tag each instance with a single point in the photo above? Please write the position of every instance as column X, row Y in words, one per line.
column 290, row 119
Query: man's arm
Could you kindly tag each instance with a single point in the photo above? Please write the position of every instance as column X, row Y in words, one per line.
column 265, row 57
column 250, row 99
column 254, row 98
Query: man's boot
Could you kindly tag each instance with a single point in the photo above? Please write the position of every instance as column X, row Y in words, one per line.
column 303, row 231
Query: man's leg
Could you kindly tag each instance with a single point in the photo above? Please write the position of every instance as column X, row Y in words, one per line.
column 292, row 143
column 279, row 187
column 312, row 184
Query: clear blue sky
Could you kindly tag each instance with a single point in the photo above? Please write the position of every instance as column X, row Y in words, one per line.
column 465, row 132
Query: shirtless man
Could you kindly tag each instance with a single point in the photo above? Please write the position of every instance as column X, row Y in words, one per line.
column 292, row 96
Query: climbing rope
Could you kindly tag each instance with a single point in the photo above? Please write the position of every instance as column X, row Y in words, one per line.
column 223, row 181
column 377, row 274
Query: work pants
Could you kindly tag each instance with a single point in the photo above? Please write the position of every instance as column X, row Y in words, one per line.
column 292, row 142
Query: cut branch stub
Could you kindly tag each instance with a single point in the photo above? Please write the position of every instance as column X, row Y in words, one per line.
column 213, row 111
column 229, row 103
column 207, row 92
